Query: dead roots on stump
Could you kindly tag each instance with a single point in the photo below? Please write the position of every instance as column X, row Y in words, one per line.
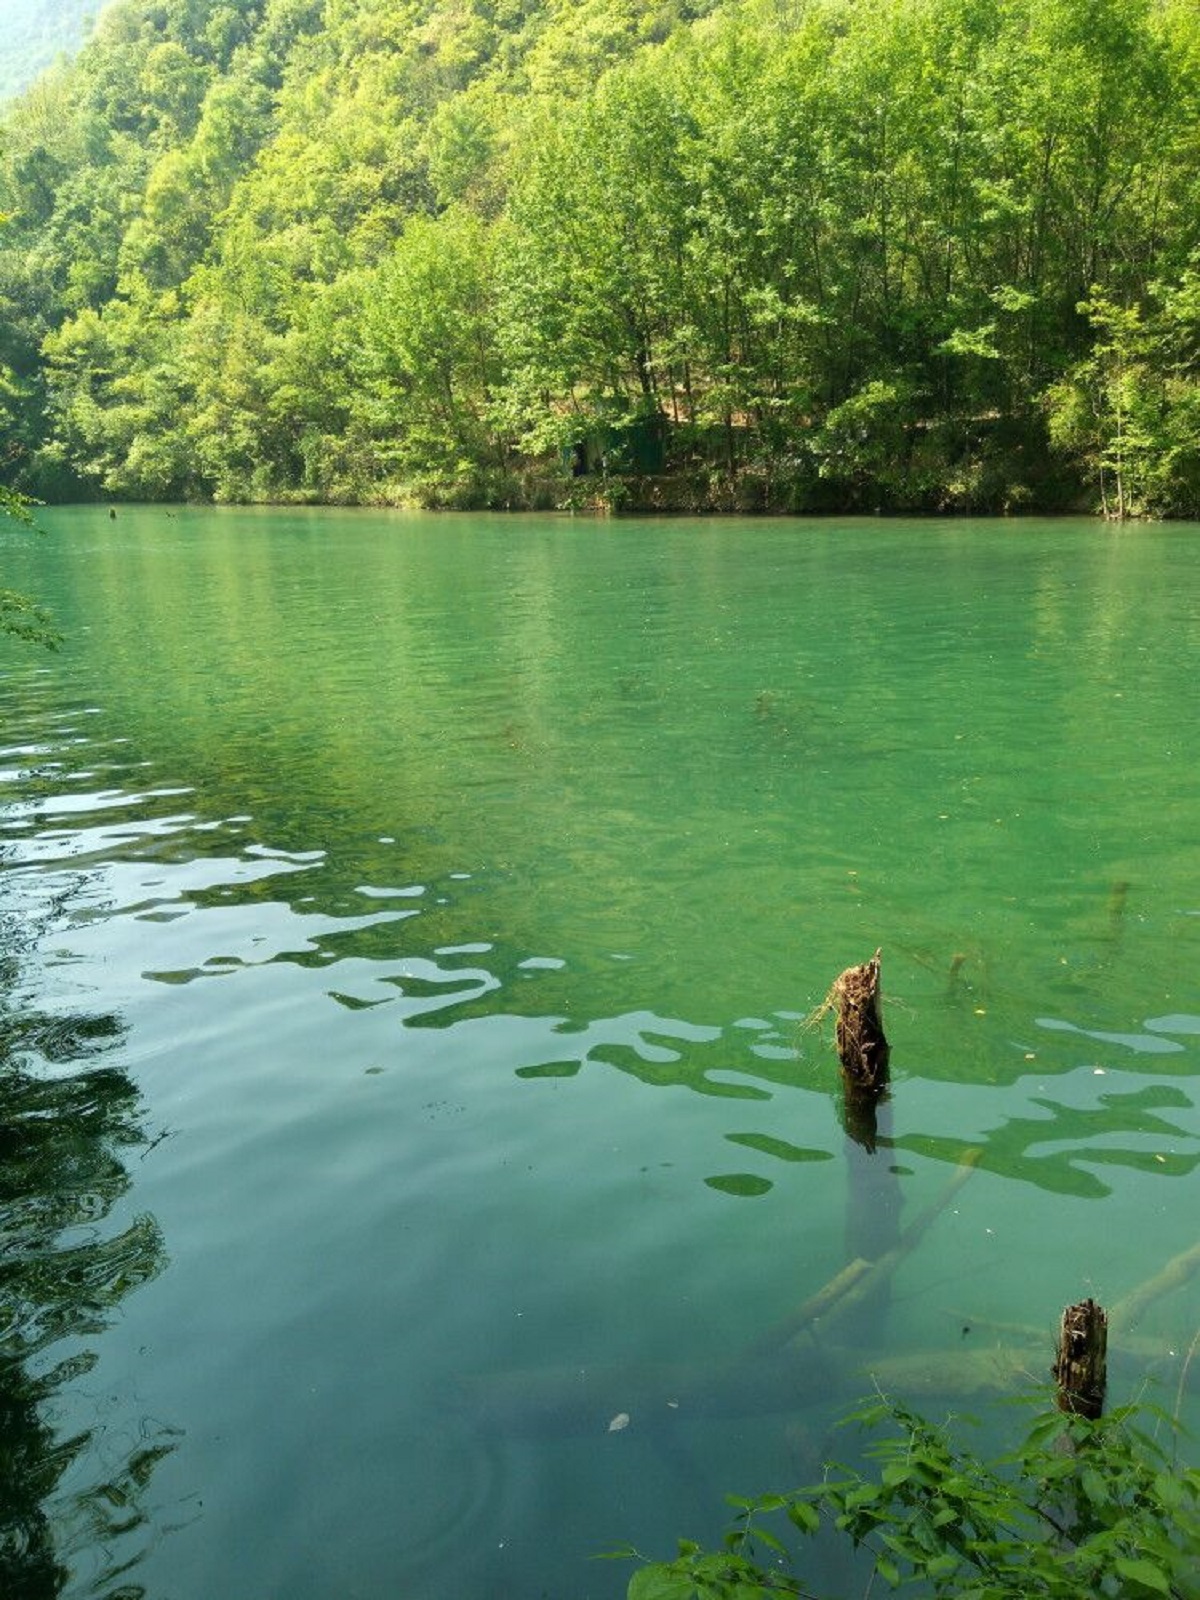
column 862, row 1046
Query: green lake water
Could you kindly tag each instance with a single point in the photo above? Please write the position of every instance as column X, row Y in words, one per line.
column 409, row 924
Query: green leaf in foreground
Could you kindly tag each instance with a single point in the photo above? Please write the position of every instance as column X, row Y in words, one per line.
column 1078, row 1508
column 21, row 617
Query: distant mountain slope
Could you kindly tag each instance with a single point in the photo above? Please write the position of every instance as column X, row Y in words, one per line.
column 33, row 33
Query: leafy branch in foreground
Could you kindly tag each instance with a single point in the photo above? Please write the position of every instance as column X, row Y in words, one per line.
column 1079, row 1508
column 20, row 616
column 24, row 619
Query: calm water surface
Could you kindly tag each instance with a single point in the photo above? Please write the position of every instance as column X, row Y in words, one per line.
column 408, row 926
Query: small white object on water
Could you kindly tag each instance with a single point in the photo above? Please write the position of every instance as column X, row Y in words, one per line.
column 621, row 1420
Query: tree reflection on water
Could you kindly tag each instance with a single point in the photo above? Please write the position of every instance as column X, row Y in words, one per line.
column 67, row 1126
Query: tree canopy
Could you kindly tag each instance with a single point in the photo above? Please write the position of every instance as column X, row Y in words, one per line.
column 795, row 254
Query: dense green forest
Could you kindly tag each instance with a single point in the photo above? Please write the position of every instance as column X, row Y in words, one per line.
column 793, row 254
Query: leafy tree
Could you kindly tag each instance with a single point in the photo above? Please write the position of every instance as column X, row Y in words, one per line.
column 1129, row 411
column 429, row 362
column 21, row 617
column 118, row 388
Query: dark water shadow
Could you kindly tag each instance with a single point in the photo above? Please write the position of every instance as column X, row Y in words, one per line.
column 68, row 1127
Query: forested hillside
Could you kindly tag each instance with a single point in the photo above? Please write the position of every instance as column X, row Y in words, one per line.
column 34, row 33
column 804, row 254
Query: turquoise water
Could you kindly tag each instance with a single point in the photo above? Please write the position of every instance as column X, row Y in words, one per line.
column 412, row 921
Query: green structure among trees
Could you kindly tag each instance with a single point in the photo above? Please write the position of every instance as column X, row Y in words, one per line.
column 822, row 255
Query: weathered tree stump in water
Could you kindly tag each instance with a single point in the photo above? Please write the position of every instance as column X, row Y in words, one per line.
column 1081, row 1367
column 862, row 1046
